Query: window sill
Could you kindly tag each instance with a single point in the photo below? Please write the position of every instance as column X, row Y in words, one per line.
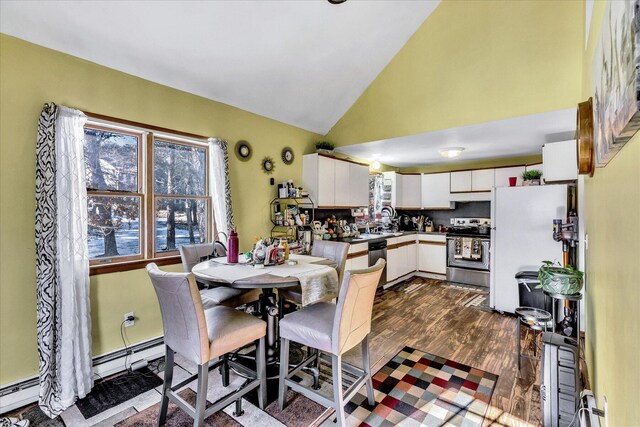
column 117, row 267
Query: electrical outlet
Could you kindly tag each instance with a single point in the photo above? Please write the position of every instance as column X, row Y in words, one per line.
column 128, row 323
column 606, row 411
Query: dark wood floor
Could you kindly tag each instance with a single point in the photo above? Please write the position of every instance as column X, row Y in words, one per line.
column 434, row 319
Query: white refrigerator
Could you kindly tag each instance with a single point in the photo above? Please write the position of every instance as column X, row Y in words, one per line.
column 522, row 236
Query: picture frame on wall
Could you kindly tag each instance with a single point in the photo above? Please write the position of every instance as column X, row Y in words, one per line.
column 616, row 84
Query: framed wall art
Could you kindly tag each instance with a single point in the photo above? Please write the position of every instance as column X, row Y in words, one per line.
column 616, row 110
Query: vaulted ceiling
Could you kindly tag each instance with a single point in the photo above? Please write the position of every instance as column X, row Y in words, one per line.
column 303, row 63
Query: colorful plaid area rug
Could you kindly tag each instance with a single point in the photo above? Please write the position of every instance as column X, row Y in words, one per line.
column 419, row 389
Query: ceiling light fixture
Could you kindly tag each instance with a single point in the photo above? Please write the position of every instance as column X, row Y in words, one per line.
column 375, row 165
column 336, row 1
column 451, row 152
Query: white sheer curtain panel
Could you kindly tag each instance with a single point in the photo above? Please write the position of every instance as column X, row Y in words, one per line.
column 64, row 311
column 219, row 185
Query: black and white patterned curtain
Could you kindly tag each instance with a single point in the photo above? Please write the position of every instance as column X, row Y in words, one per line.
column 220, row 185
column 62, row 263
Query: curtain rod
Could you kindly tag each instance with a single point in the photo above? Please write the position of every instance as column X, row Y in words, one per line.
column 144, row 125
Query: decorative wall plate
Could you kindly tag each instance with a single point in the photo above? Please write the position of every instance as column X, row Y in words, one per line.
column 243, row 150
column 267, row 165
column 287, row 155
column 584, row 135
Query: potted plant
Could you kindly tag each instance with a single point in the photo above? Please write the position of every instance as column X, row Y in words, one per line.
column 324, row 147
column 531, row 177
column 560, row 280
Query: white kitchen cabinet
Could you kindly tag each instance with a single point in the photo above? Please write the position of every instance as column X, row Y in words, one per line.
column 412, row 257
column 341, row 184
column 482, row 179
column 394, row 264
column 335, row 183
column 410, row 191
column 460, row 181
column 559, row 161
column 502, row 175
column 359, row 263
column 358, row 256
column 358, row 185
column 318, row 177
column 432, row 254
column 534, row 166
column 436, row 190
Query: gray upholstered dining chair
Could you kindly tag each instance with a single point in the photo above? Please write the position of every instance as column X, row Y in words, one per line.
column 220, row 295
column 201, row 336
column 335, row 251
column 335, row 329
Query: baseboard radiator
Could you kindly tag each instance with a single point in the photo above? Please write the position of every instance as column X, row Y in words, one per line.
column 24, row 392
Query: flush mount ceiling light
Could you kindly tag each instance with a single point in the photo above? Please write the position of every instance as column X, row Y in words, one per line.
column 336, row 1
column 451, row 152
column 375, row 165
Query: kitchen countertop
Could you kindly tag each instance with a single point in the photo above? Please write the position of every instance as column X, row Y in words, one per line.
column 389, row 236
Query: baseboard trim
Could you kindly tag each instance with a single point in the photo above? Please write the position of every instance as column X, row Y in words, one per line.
column 24, row 392
column 414, row 274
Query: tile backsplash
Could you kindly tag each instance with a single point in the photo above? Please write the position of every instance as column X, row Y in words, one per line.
column 462, row 210
column 440, row 217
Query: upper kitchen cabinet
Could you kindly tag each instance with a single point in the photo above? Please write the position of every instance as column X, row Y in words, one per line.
column 335, row 183
column 342, row 184
column 482, row 179
column 461, row 182
column 408, row 190
column 436, row 190
column 559, row 161
column 319, row 177
column 502, row 175
column 358, row 184
column 471, row 185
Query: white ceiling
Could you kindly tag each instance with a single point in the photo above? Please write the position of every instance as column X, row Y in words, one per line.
column 300, row 62
column 519, row 136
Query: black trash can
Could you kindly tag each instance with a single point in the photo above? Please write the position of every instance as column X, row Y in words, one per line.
column 529, row 295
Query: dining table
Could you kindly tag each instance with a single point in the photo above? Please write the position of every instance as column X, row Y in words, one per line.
column 294, row 272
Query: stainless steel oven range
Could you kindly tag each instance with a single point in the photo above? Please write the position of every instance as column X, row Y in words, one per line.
column 468, row 251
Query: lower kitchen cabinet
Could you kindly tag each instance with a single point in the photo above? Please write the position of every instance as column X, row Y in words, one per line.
column 432, row 254
column 358, row 263
column 394, row 264
column 411, row 257
column 401, row 257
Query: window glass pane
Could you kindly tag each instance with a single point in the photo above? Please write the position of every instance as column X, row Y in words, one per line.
column 114, row 226
column 111, row 160
column 178, row 169
column 179, row 222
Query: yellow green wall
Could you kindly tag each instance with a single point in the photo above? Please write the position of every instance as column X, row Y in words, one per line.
column 473, row 62
column 612, row 200
column 31, row 75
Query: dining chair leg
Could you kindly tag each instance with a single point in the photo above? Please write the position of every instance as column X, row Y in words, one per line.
column 338, row 396
column 224, row 370
column 366, row 364
column 261, row 368
column 201, row 398
column 284, row 371
column 166, row 385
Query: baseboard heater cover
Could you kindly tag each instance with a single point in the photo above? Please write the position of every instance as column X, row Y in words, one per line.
column 24, row 392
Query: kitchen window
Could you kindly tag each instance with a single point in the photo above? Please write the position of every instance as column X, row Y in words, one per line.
column 147, row 194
